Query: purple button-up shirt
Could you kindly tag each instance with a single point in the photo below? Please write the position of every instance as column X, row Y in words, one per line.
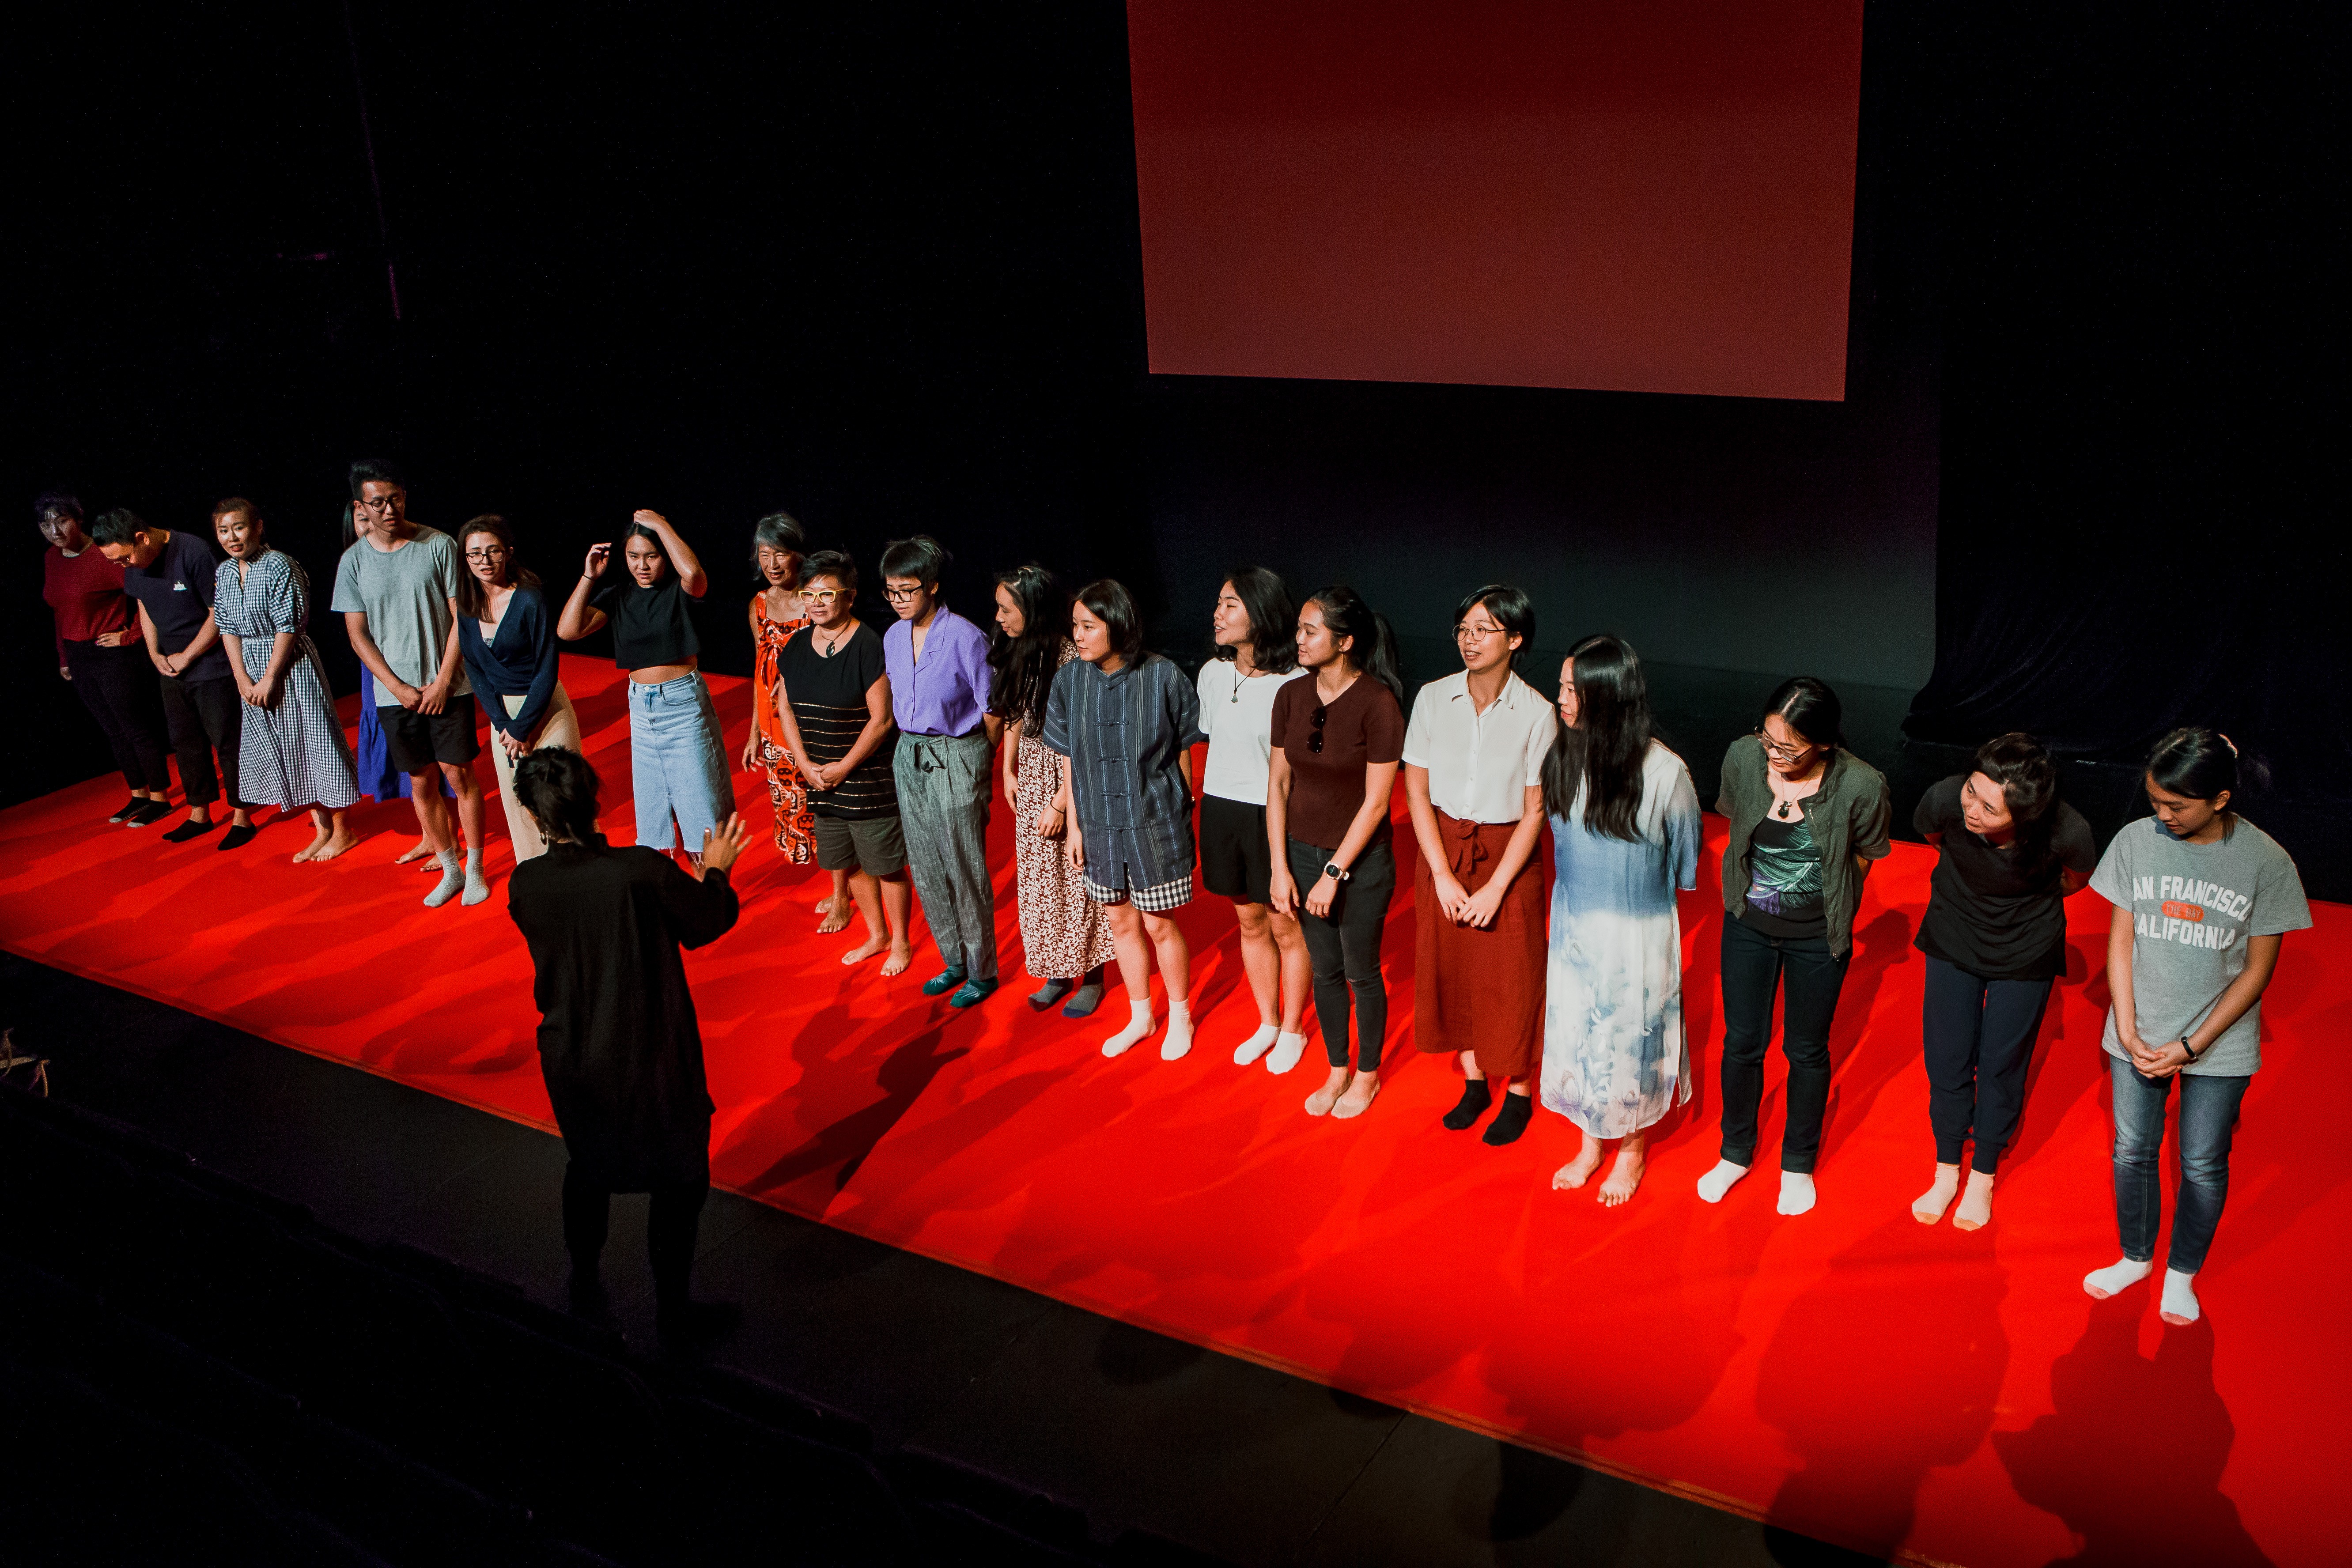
column 947, row 693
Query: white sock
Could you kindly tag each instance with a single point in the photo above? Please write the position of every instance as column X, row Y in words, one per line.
column 2180, row 1296
column 1138, row 1024
column 452, row 883
column 476, row 888
column 1256, row 1046
column 2116, row 1278
column 1179, row 1039
column 1287, row 1050
column 1717, row 1181
column 1796, row 1193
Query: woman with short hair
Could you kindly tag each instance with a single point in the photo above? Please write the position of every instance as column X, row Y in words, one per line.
column 99, row 651
column 776, row 612
column 507, row 637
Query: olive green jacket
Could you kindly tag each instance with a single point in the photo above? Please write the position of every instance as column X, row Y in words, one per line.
column 1848, row 816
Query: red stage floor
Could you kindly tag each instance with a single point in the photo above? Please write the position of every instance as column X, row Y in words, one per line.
column 1848, row 1374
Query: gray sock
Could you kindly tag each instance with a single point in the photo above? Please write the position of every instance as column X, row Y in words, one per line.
column 453, row 881
column 477, row 890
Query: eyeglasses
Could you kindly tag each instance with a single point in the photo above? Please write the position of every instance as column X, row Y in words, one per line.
column 820, row 596
column 487, row 552
column 1467, row 632
column 382, row 503
column 1315, row 738
column 1786, row 753
column 899, row 596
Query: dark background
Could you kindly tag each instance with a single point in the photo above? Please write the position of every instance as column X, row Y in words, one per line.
column 881, row 269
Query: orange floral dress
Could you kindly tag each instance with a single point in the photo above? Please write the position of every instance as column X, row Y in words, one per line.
column 787, row 791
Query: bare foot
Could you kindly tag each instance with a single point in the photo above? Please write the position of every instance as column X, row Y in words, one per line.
column 420, row 850
column 825, row 905
column 1359, row 1098
column 1929, row 1206
column 1624, row 1175
column 1975, row 1212
column 1578, row 1171
column 867, row 949
column 900, row 956
column 1320, row 1102
column 310, row 851
column 836, row 917
column 334, row 846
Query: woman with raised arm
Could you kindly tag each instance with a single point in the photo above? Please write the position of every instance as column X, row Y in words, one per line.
column 1807, row 817
column 2201, row 900
column 507, row 637
column 1337, row 738
column 290, row 750
column 2009, row 852
column 1065, row 935
column 1255, row 630
column 1124, row 719
column 1624, row 834
column 1474, row 760
column 777, row 612
column 677, row 772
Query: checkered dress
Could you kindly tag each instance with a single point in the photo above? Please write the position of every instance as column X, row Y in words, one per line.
column 291, row 755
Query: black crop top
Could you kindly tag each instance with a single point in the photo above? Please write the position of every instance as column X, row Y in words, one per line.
column 649, row 625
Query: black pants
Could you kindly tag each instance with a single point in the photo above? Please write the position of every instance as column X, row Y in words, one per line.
column 1754, row 967
column 1979, row 1036
column 670, row 1228
column 205, row 717
column 1344, row 949
column 118, row 686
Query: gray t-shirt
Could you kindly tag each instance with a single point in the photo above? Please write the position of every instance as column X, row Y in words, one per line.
column 405, row 595
column 2193, row 905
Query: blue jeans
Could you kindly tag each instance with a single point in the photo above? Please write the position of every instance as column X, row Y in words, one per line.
column 2208, row 1115
column 674, row 767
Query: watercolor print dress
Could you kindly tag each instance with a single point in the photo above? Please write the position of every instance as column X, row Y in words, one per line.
column 1614, row 1055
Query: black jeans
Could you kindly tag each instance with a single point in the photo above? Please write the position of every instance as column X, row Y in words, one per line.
column 205, row 717
column 1977, row 1034
column 2208, row 1115
column 1344, row 949
column 118, row 686
column 670, row 1229
column 1754, row 965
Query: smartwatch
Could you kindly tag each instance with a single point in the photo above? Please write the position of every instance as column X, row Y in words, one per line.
column 1335, row 872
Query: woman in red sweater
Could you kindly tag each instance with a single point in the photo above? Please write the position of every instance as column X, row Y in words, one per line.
column 99, row 650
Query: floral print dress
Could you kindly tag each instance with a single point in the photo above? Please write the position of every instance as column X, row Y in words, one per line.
column 787, row 789
column 1064, row 933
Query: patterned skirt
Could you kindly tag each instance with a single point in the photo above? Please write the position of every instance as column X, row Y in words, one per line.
column 788, row 794
column 1064, row 933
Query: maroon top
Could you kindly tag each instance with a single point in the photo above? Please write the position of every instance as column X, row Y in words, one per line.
column 85, row 594
column 1366, row 725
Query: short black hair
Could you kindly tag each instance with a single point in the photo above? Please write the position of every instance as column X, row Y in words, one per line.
column 1273, row 619
column 838, row 564
column 1114, row 606
column 1808, row 706
column 560, row 786
column 923, row 558
column 379, row 471
column 58, row 504
column 1512, row 609
column 115, row 527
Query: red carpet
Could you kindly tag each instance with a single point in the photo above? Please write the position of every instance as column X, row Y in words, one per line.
column 1849, row 1374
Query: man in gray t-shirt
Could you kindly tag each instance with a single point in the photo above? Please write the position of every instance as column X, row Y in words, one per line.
column 2193, row 905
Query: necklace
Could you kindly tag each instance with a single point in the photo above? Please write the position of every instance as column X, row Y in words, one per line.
column 1783, row 813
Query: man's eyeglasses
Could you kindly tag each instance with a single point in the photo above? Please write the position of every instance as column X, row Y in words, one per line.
column 1315, row 738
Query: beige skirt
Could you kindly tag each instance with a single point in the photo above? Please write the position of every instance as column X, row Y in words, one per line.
column 560, row 729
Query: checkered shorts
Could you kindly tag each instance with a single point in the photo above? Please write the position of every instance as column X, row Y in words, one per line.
column 1155, row 900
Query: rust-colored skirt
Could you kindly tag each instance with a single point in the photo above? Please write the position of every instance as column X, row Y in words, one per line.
column 1477, row 990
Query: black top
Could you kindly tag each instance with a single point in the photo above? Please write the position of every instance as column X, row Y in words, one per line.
column 520, row 662
column 618, row 1036
column 176, row 588
column 1988, row 911
column 828, row 698
column 649, row 625
column 1784, row 880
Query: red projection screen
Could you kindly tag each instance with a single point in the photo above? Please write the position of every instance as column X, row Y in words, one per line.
column 1643, row 196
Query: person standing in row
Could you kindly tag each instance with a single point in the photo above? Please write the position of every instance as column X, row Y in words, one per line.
column 776, row 612
column 378, row 779
column 1807, row 818
column 618, row 1041
column 2201, row 900
column 1474, row 760
column 397, row 590
column 1065, row 935
column 939, row 694
column 507, row 636
column 290, row 752
column 1257, row 655
column 1624, row 834
column 98, row 652
column 2009, row 853
column 677, row 772
column 833, row 704
column 1337, row 738
column 170, row 577
column 1124, row 719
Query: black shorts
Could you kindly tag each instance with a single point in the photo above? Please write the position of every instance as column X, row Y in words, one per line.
column 1234, row 861
column 873, row 844
column 417, row 740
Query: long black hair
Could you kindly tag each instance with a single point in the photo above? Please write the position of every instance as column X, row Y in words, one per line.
column 2021, row 765
column 1021, row 669
column 1273, row 619
column 2202, row 764
column 1600, row 757
column 1373, row 650
column 473, row 599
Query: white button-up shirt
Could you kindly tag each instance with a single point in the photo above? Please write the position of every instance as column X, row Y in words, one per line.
column 1480, row 764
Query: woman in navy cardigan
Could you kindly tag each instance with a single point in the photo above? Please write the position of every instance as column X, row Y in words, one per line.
column 507, row 635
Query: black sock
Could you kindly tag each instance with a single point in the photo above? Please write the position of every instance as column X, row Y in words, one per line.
column 189, row 829
column 129, row 807
column 235, row 837
column 1511, row 1121
column 1053, row 990
column 1475, row 1099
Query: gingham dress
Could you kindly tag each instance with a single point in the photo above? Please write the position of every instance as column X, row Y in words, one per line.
column 292, row 755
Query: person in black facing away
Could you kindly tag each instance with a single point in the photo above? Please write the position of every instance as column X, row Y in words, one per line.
column 618, row 1036
column 2010, row 851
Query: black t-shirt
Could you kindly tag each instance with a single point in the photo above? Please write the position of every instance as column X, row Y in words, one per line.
column 1989, row 911
column 1784, row 880
column 828, row 698
column 649, row 625
column 176, row 588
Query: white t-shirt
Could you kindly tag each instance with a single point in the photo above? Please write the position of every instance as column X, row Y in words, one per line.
column 1237, row 715
column 1480, row 764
